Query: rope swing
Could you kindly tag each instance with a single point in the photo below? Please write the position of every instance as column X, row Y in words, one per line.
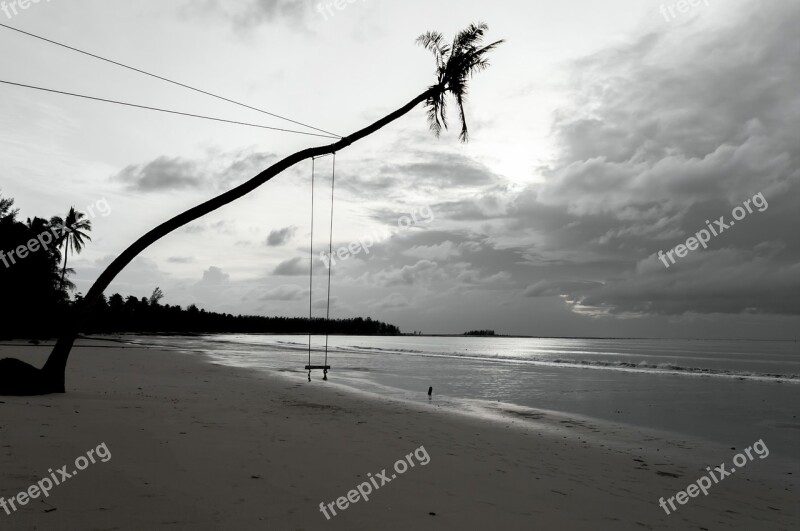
column 325, row 367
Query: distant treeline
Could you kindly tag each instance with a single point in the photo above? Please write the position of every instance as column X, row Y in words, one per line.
column 480, row 333
column 147, row 315
column 35, row 292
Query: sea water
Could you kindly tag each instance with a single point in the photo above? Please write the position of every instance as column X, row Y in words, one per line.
column 727, row 392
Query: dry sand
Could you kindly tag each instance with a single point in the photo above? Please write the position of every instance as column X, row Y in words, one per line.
column 200, row 446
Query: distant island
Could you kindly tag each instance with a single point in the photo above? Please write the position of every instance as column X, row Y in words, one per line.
column 480, row 333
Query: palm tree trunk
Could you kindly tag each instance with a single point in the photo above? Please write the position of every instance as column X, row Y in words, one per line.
column 55, row 367
column 64, row 269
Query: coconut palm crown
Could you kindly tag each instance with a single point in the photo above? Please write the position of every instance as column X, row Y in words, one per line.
column 455, row 65
column 74, row 231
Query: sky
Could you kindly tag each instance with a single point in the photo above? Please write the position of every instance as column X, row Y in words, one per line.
column 602, row 134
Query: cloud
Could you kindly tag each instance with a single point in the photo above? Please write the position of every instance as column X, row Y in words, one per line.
column 392, row 302
column 428, row 174
column 246, row 163
column 196, row 228
column 163, row 173
column 488, row 205
column 215, row 170
column 441, row 251
column 441, row 261
column 247, row 14
column 222, row 226
column 651, row 124
column 549, row 288
column 181, row 259
column 286, row 292
column 445, row 170
column 727, row 281
column 214, row 276
column 422, row 271
column 323, row 303
column 661, row 135
column 291, row 268
column 281, row 236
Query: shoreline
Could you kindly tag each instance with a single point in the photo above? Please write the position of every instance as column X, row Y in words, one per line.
column 626, row 434
column 702, row 429
column 199, row 445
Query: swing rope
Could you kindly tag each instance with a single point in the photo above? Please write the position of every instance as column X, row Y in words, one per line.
column 330, row 253
column 311, row 271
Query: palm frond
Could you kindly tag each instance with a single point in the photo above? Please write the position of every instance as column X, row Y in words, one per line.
column 437, row 113
column 432, row 40
column 433, row 120
column 470, row 36
column 464, row 134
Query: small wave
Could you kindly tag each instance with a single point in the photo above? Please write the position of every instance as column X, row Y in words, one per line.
column 644, row 367
column 663, row 368
column 669, row 367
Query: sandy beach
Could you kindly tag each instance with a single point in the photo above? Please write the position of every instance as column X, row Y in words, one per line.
column 195, row 445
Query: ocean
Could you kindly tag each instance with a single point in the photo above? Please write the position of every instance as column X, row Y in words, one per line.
column 728, row 392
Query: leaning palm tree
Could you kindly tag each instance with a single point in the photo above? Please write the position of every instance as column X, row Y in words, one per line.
column 75, row 229
column 456, row 63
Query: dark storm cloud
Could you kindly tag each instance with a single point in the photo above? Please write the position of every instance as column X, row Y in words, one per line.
column 728, row 281
column 664, row 134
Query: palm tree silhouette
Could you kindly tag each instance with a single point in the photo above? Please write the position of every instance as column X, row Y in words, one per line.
column 455, row 65
column 72, row 236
